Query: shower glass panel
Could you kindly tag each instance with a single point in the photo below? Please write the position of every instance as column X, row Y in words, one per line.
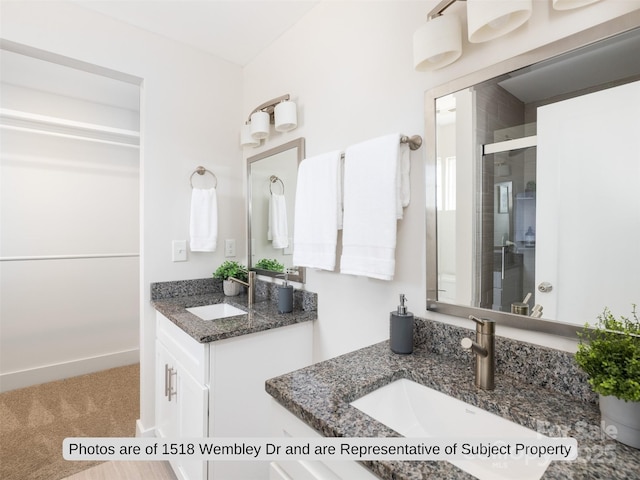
column 506, row 260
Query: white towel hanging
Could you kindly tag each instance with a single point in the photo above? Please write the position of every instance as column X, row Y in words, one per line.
column 373, row 201
column 278, row 228
column 203, row 228
column 318, row 211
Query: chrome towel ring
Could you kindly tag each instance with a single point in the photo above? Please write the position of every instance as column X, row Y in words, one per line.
column 201, row 171
column 273, row 179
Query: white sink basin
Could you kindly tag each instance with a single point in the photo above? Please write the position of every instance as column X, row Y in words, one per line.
column 216, row 312
column 414, row 410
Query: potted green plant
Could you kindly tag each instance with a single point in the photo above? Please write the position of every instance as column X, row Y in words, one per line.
column 270, row 264
column 231, row 268
column 609, row 353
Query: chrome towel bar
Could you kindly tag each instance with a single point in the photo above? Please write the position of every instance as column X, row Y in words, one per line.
column 415, row 142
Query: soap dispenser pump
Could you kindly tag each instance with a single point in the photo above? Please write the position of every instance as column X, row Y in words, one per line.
column 285, row 295
column 401, row 337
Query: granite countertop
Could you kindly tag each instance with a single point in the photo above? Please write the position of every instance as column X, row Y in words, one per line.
column 262, row 315
column 320, row 395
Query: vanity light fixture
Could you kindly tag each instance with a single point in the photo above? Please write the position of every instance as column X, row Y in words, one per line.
column 260, row 125
column 489, row 19
column 280, row 111
column 571, row 4
column 438, row 42
column 286, row 116
column 246, row 140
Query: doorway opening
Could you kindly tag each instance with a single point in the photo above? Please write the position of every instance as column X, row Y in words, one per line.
column 70, row 246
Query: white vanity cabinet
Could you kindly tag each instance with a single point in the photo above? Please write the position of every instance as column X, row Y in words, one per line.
column 220, row 389
column 182, row 393
column 286, row 424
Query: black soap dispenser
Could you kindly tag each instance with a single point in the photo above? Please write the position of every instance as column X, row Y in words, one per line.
column 401, row 337
column 285, row 296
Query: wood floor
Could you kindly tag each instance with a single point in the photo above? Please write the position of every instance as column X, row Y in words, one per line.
column 126, row 471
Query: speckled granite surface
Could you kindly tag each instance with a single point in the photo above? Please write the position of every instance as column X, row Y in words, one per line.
column 172, row 298
column 531, row 389
column 185, row 288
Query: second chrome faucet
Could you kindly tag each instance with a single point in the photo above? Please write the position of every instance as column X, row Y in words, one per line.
column 483, row 348
column 250, row 284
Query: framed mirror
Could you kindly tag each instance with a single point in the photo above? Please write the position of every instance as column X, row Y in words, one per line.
column 271, row 189
column 525, row 161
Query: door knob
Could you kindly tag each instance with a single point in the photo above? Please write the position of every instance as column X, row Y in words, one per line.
column 545, row 287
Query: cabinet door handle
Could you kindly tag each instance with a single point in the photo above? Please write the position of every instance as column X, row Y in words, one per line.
column 171, row 391
column 167, row 380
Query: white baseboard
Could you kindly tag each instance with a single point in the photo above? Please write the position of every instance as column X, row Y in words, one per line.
column 82, row 366
column 142, row 432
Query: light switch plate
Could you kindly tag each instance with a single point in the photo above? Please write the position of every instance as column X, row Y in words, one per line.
column 179, row 251
column 230, row 247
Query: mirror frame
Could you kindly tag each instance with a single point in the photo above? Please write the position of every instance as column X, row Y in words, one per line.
column 298, row 143
column 605, row 30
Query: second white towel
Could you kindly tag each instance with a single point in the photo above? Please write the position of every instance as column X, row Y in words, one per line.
column 278, row 227
column 318, row 211
column 374, row 195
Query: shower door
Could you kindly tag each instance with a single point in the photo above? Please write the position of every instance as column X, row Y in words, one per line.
column 576, row 153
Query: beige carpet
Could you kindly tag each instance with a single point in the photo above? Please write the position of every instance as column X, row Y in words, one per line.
column 35, row 420
column 126, row 470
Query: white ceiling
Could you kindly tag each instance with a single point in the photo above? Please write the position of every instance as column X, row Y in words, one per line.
column 235, row 30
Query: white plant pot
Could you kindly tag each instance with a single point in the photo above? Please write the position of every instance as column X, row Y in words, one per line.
column 624, row 416
column 230, row 288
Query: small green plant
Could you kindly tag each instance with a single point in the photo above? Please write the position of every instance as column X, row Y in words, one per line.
column 610, row 354
column 269, row 264
column 231, row 268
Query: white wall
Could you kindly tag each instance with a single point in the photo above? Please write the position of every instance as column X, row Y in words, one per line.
column 190, row 116
column 348, row 65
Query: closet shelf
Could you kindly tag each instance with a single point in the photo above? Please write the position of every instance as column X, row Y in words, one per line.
column 82, row 256
column 46, row 125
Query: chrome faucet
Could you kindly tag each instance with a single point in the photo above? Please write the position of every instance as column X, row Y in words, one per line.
column 483, row 348
column 251, row 285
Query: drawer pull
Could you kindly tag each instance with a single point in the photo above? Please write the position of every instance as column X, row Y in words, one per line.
column 171, row 390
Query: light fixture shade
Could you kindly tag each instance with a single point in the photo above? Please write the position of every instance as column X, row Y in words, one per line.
column 286, row 116
column 437, row 43
column 570, row 4
column 489, row 19
column 260, row 125
column 246, row 140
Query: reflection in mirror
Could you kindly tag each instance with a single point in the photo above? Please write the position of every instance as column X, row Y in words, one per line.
column 271, row 188
column 495, row 238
